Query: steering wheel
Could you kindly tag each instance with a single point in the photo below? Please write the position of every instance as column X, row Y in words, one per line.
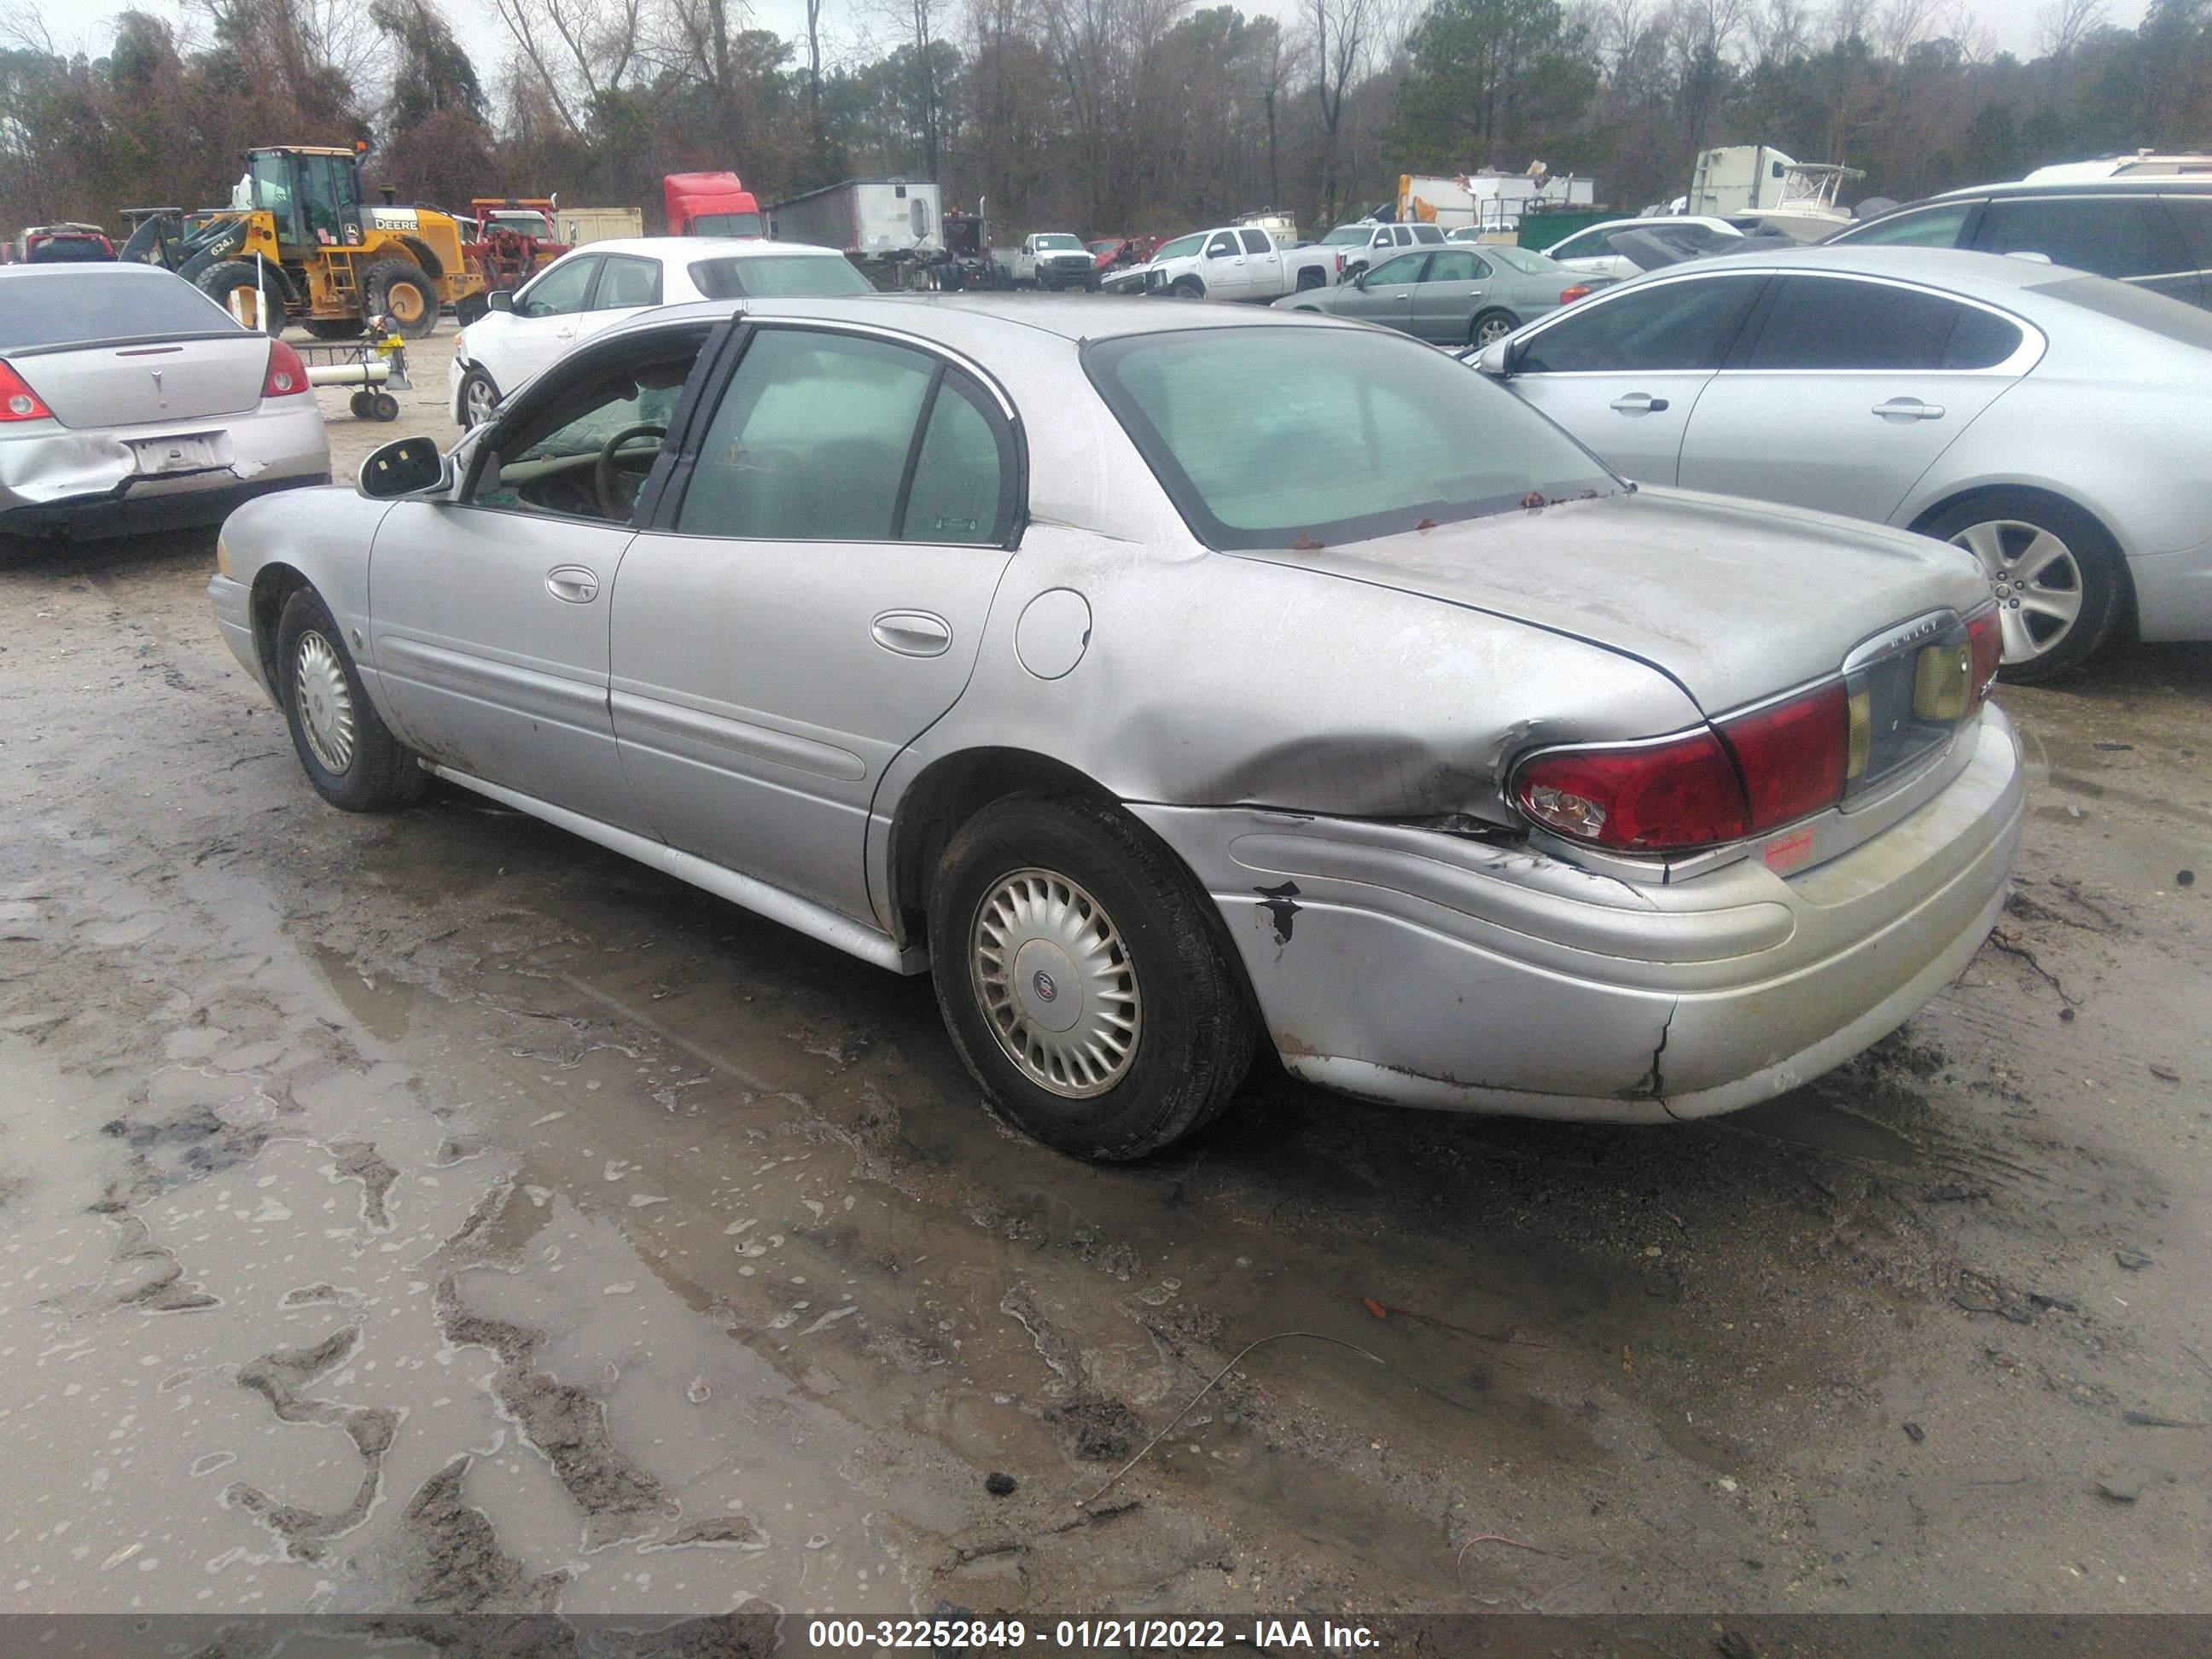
column 603, row 469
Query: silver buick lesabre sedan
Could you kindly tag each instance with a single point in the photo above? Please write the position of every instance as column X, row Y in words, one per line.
column 1164, row 684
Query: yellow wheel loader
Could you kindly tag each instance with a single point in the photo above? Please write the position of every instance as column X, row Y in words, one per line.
column 298, row 243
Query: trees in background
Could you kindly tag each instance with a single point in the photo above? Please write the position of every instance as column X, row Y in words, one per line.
column 1092, row 115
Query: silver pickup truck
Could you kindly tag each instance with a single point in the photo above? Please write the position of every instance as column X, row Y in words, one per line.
column 1237, row 262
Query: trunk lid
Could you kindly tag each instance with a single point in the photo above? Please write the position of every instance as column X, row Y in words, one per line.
column 1733, row 601
column 148, row 382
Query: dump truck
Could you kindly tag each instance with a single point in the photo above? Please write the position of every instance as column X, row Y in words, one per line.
column 298, row 243
column 573, row 227
column 711, row 205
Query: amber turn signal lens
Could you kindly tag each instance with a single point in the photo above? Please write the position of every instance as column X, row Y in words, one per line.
column 1858, row 743
column 1943, row 683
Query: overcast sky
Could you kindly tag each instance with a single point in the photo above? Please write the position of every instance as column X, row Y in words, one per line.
column 89, row 24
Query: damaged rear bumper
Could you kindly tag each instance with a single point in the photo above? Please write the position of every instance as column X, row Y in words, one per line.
column 87, row 484
column 1405, row 965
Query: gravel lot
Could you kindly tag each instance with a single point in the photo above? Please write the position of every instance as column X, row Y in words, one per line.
column 435, row 1211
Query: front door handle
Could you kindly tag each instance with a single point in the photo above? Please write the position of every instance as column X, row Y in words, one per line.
column 573, row 583
column 912, row 632
column 1639, row 403
column 1909, row 408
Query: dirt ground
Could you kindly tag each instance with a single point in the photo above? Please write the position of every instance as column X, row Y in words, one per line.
column 435, row 1211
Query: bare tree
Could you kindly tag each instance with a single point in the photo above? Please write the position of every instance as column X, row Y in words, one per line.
column 576, row 48
column 1343, row 35
column 2062, row 26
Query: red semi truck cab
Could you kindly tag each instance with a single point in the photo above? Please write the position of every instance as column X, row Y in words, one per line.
column 711, row 205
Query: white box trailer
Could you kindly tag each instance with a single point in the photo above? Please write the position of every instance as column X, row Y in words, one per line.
column 576, row 226
column 886, row 220
column 1738, row 179
column 1487, row 201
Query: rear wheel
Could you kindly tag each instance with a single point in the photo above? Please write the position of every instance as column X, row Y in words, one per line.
column 256, row 298
column 2058, row 578
column 400, row 291
column 1080, row 979
column 1492, row 326
column 348, row 752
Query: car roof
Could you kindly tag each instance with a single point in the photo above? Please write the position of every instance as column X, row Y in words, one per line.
column 2139, row 184
column 108, row 269
column 695, row 247
column 1990, row 277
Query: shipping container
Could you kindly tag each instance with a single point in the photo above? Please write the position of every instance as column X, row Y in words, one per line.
column 576, row 226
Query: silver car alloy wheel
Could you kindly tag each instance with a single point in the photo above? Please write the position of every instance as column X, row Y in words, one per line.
column 325, row 701
column 478, row 400
column 1056, row 983
column 2035, row 579
column 1493, row 331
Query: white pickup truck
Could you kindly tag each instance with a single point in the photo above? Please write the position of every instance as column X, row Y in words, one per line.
column 1054, row 259
column 1238, row 262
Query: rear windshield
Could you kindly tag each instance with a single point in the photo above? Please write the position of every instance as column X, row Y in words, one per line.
column 726, row 224
column 85, row 306
column 777, row 276
column 1297, row 437
column 2174, row 319
column 70, row 250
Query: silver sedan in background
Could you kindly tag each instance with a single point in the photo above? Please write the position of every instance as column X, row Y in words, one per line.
column 2052, row 423
column 1166, row 681
column 1452, row 296
column 131, row 401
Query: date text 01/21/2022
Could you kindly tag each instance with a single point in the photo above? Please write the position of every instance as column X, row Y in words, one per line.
column 1176, row 1635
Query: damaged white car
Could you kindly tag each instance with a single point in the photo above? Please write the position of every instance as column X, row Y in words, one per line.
column 130, row 401
column 1169, row 684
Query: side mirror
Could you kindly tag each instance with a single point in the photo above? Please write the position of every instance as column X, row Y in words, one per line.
column 1217, row 254
column 1496, row 360
column 408, row 466
column 500, row 299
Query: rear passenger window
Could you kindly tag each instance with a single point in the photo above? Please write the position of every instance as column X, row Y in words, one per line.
column 1255, row 242
column 2192, row 217
column 816, row 440
column 1673, row 326
column 1427, row 234
column 1825, row 323
column 1937, row 227
column 2111, row 236
column 625, row 282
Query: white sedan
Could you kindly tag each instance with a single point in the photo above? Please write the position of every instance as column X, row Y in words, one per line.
column 1592, row 253
column 586, row 291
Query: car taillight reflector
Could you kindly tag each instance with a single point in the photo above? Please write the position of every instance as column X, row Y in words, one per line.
column 1648, row 798
column 1569, row 295
column 17, row 401
column 1986, row 641
column 1793, row 754
column 287, row 375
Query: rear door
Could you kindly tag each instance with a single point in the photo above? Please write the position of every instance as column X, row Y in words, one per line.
column 1848, row 392
column 1263, row 265
column 1623, row 372
column 2192, row 217
column 1450, row 291
column 811, row 599
column 628, row 284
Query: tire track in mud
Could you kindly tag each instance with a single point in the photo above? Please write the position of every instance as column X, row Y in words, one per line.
column 278, row 1376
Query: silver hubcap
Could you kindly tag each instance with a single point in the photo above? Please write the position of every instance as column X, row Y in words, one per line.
column 1495, row 329
column 325, row 705
column 1056, row 983
column 478, row 402
column 2035, row 579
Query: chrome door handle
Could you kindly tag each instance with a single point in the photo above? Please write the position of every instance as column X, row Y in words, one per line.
column 1639, row 403
column 912, row 632
column 1909, row 408
column 573, row 583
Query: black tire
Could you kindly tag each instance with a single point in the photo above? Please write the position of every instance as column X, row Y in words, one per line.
column 397, row 289
column 1998, row 527
column 1090, row 285
column 384, row 406
column 227, row 277
column 1193, row 1036
column 379, row 771
column 1188, row 287
column 470, row 308
column 477, row 386
column 363, row 405
column 334, row 328
column 1490, row 325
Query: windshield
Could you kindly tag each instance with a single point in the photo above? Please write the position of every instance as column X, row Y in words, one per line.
column 1346, row 235
column 1181, row 248
column 524, row 224
column 1301, row 437
column 726, row 224
column 69, row 250
column 777, row 276
column 82, row 306
column 1057, row 241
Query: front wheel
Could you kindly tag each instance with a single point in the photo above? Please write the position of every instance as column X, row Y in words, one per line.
column 479, row 397
column 1080, row 979
column 2057, row 575
column 346, row 749
column 1188, row 289
column 1490, row 327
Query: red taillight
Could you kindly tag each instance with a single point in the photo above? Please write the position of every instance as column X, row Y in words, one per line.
column 1792, row 755
column 287, row 375
column 1651, row 798
column 1986, row 641
column 1569, row 295
column 17, row 401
